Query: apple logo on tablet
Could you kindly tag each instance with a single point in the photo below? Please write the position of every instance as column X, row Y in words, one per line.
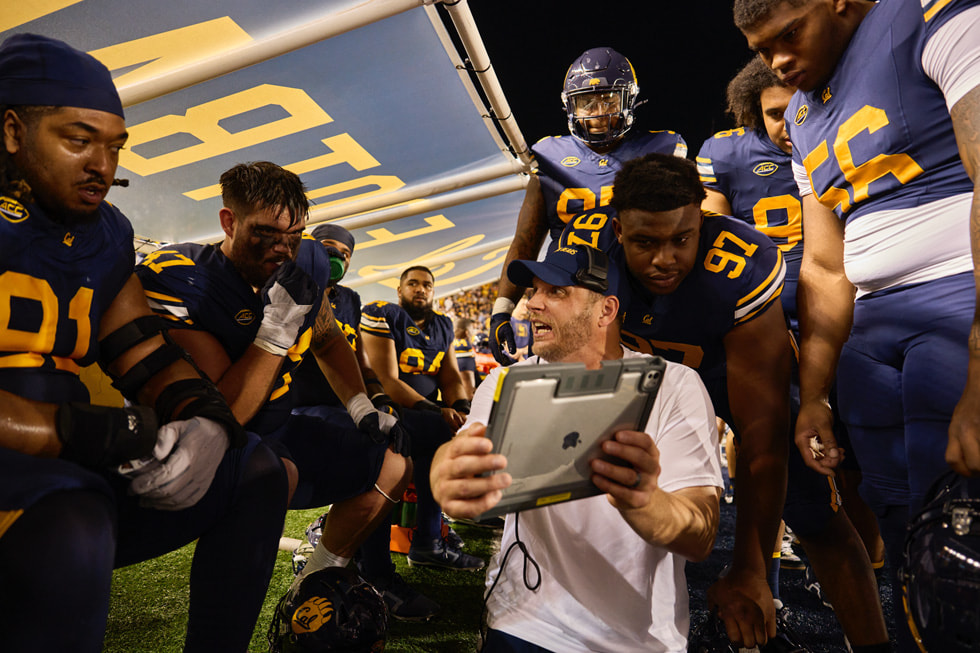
column 571, row 440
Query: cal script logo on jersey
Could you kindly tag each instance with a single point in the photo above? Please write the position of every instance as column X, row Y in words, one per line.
column 12, row 210
column 800, row 115
column 765, row 168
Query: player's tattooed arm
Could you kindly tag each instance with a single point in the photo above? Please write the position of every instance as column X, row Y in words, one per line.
column 334, row 355
column 963, row 450
column 532, row 226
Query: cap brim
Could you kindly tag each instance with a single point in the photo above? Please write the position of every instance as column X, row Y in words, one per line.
column 523, row 274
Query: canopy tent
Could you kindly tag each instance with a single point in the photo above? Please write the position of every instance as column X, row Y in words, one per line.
column 387, row 109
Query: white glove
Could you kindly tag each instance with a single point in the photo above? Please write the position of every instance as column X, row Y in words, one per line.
column 183, row 476
column 289, row 294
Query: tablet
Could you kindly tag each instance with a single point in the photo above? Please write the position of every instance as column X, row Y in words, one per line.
column 550, row 420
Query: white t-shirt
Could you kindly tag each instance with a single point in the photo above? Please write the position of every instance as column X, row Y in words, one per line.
column 603, row 588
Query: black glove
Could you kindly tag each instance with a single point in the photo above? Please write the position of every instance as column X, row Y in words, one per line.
column 102, row 437
column 380, row 426
column 396, row 437
column 386, row 404
column 501, row 334
column 462, row 406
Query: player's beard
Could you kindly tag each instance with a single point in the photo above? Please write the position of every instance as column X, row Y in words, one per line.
column 55, row 209
column 568, row 338
column 248, row 260
column 416, row 312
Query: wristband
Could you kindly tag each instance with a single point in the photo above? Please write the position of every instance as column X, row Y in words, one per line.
column 359, row 406
column 503, row 305
column 462, row 406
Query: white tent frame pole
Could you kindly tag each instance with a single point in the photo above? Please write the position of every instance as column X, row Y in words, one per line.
column 430, row 205
column 465, row 25
column 420, row 200
column 365, row 13
column 431, row 262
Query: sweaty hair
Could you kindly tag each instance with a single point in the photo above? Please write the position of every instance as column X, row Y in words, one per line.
column 745, row 90
column 657, row 182
column 12, row 182
column 749, row 13
column 264, row 185
column 413, row 269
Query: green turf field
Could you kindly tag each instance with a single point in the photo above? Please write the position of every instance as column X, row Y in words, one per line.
column 149, row 600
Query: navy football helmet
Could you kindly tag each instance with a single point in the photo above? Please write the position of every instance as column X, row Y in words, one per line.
column 333, row 610
column 600, row 91
column 941, row 572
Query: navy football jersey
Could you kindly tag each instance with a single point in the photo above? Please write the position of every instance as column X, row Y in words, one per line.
column 199, row 287
column 878, row 134
column 310, row 387
column 738, row 274
column 757, row 179
column 465, row 356
column 576, row 182
column 877, row 146
column 56, row 281
column 522, row 332
column 420, row 352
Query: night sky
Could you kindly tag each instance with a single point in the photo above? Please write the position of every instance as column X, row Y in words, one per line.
column 684, row 55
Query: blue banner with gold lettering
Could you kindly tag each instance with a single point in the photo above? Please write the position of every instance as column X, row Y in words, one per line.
column 378, row 107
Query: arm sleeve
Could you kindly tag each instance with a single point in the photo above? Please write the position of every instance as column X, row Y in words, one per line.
column 802, row 179
column 951, row 56
column 374, row 320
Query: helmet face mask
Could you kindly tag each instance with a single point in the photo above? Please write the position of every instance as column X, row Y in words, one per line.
column 599, row 96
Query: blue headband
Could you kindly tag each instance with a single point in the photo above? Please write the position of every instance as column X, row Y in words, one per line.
column 40, row 71
column 332, row 231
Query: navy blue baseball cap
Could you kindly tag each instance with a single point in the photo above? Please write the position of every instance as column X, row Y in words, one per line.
column 41, row 71
column 569, row 266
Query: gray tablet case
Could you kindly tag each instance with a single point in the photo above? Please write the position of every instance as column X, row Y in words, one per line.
column 549, row 421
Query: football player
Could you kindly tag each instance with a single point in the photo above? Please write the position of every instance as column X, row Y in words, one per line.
column 248, row 309
column 315, row 398
column 747, row 174
column 410, row 346
column 704, row 291
column 84, row 488
column 886, row 148
column 463, row 333
column 573, row 181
